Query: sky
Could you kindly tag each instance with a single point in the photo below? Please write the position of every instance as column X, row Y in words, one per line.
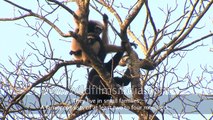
column 15, row 36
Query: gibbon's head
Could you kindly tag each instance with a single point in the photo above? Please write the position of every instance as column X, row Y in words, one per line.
column 93, row 41
column 95, row 27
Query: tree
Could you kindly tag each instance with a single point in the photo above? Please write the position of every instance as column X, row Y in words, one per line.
column 27, row 91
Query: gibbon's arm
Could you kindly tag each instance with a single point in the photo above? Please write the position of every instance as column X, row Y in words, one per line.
column 111, row 65
column 105, row 38
column 125, row 79
column 113, row 48
column 109, row 48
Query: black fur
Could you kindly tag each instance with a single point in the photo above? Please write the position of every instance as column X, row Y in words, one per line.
column 76, row 53
column 96, row 90
column 94, row 27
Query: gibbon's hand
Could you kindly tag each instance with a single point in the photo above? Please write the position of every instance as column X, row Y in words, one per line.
column 131, row 43
column 134, row 44
column 105, row 18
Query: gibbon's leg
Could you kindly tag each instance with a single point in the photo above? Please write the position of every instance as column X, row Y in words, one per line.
column 76, row 50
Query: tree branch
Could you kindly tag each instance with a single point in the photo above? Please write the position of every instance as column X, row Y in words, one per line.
column 131, row 16
column 30, row 13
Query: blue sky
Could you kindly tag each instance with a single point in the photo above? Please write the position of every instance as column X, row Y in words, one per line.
column 14, row 36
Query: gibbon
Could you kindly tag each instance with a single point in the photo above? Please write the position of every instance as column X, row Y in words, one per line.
column 94, row 42
column 95, row 28
column 96, row 92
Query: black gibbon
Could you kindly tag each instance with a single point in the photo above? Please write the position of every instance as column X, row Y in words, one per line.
column 96, row 28
column 96, row 90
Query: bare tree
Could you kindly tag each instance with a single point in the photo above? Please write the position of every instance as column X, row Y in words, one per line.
column 27, row 90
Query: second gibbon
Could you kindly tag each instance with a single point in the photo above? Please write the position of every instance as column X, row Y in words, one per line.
column 97, row 91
